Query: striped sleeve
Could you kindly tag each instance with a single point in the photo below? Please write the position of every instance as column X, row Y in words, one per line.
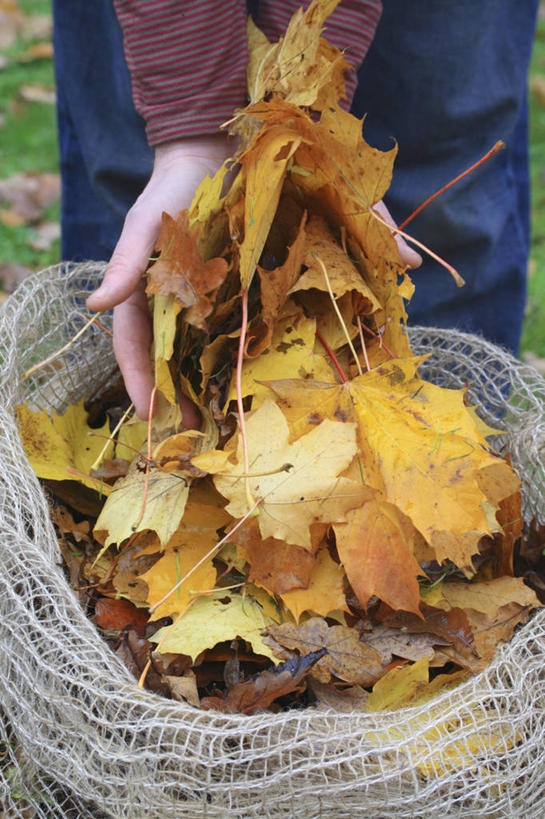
column 187, row 61
column 187, row 58
column 351, row 27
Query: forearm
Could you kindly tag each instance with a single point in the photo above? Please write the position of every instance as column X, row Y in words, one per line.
column 187, row 62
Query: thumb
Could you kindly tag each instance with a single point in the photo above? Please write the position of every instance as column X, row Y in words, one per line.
column 129, row 260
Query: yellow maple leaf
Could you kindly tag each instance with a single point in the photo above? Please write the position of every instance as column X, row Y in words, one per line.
column 209, row 621
column 298, row 483
column 137, row 503
column 65, row 448
column 301, row 67
column 418, row 446
column 324, row 593
column 487, row 597
column 165, row 312
column 399, row 687
column 291, row 352
column 343, row 275
column 194, row 538
column 264, row 165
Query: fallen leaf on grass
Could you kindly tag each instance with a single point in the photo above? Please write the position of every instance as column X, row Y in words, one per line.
column 13, row 273
column 29, row 194
column 38, row 93
column 11, row 19
column 43, row 235
column 37, row 26
column 38, row 51
column 537, row 88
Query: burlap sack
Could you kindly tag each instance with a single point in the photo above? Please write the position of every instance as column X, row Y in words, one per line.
column 80, row 740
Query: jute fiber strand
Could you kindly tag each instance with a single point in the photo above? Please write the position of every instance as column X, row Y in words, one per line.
column 80, row 740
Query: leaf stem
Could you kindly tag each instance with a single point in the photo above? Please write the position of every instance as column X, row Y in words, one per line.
column 148, row 462
column 111, row 438
column 363, row 345
column 379, row 339
column 338, row 312
column 494, row 150
column 208, row 555
column 240, row 406
column 332, row 356
column 395, row 231
column 63, row 349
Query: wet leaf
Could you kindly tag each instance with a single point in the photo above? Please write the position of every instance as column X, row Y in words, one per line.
column 347, row 658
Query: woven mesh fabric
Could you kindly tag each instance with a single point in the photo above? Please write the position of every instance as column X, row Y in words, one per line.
column 80, row 740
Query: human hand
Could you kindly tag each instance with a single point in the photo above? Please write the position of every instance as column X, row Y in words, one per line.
column 178, row 169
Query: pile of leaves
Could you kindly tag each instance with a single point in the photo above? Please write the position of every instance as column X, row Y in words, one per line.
column 338, row 529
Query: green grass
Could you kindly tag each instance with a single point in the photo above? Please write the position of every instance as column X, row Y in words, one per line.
column 533, row 337
column 28, row 141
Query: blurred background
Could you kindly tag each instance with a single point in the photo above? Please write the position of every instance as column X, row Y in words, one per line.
column 29, row 181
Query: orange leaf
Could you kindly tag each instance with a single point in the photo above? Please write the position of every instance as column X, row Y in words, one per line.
column 181, row 272
column 325, row 591
column 377, row 556
column 116, row 615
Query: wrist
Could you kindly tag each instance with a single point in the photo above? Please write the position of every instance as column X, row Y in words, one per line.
column 215, row 147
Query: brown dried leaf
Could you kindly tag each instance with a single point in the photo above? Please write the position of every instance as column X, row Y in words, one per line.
column 184, row 688
column 38, row 93
column 116, row 615
column 392, row 642
column 274, row 564
column 257, row 694
column 347, row 658
column 180, row 271
column 345, row 700
column 30, row 193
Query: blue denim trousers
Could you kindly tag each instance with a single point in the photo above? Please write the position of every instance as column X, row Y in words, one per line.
column 445, row 78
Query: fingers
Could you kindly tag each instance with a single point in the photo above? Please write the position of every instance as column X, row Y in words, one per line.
column 132, row 340
column 408, row 256
column 129, row 260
